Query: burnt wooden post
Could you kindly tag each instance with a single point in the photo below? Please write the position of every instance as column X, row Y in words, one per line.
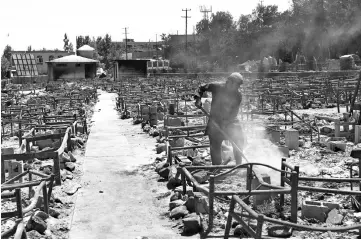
column 18, row 202
column 56, row 170
column 211, row 202
column 282, row 182
column 294, row 190
column 30, row 179
column 229, row 218
column 46, row 200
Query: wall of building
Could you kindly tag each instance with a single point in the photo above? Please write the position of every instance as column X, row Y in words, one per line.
column 86, row 53
column 130, row 68
column 45, row 55
column 71, row 71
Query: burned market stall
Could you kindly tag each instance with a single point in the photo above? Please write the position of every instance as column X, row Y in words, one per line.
column 71, row 67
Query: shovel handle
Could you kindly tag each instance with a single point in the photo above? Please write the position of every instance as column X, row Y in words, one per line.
column 223, row 133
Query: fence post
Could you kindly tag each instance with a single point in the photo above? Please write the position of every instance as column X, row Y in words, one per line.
column 282, row 182
column 294, row 195
column 18, row 202
column 229, row 218
column 211, row 202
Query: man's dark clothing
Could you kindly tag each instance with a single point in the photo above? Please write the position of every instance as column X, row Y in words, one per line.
column 224, row 110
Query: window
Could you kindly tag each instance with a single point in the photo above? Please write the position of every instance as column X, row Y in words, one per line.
column 155, row 64
column 160, row 63
column 60, row 56
column 77, row 65
column 39, row 59
column 149, row 64
column 61, row 65
column 166, row 64
column 51, row 57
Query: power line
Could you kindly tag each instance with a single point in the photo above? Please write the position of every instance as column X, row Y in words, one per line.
column 186, row 17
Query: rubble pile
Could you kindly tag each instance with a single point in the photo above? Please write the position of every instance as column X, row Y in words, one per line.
column 322, row 156
column 56, row 101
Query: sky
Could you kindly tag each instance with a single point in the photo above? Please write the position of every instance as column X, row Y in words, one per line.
column 43, row 23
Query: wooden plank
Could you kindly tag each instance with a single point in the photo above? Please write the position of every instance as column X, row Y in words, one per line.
column 26, row 156
column 43, row 137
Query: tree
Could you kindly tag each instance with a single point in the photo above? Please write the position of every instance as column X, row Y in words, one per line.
column 7, row 52
column 5, row 64
column 5, row 61
column 66, row 43
column 71, row 47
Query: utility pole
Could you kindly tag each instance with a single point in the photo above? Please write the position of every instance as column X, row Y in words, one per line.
column 156, row 45
column 186, row 17
column 126, row 44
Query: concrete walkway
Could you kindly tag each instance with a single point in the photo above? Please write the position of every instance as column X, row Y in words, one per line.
column 116, row 201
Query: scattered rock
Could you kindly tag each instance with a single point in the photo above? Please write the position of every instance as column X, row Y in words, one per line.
column 164, row 173
column 63, row 174
column 36, row 223
column 201, row 176
column 199, row 162
column 72, row 158
column 175, row 196
column 161, row 148
column 70, row 190
column 35, row 235
column 326, row 130
column 334, row 217
column 161, row 165
column 191, row 204
column 47, row 170
column 240, row 231
column 41, row 215
column 175, row 204
column 69, row 166
column 179, row 212
column 53, row 213
column 65, row 157
column 192, row 224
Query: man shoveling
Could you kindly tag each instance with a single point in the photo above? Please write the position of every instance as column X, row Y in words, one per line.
column 223, row 123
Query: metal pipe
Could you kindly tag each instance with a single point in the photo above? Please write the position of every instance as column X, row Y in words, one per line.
column 194, row 181
column 316, row 179
column 328, row 190
column 254, row 192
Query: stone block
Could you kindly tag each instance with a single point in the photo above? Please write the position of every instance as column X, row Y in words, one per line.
column 191, row 224
column 334, row 217
column 174, row 122
column 292, row 136
column 336, row 146
column 44, row 143
column 178, row 212
column 317, row 210
column 15, row 168
column 191, row 204
column 175, row 196
column 260, row 199
column 5, row 151
column 175, row 204
column 201, row 177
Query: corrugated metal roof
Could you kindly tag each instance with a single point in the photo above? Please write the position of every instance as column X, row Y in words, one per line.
column 73, row 59
column 86, row 48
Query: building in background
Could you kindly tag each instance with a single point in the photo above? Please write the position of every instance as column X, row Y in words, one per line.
column 72, row 67
column 124, row 68
column 141, row 50
column 42, row 56
column 86, row 51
